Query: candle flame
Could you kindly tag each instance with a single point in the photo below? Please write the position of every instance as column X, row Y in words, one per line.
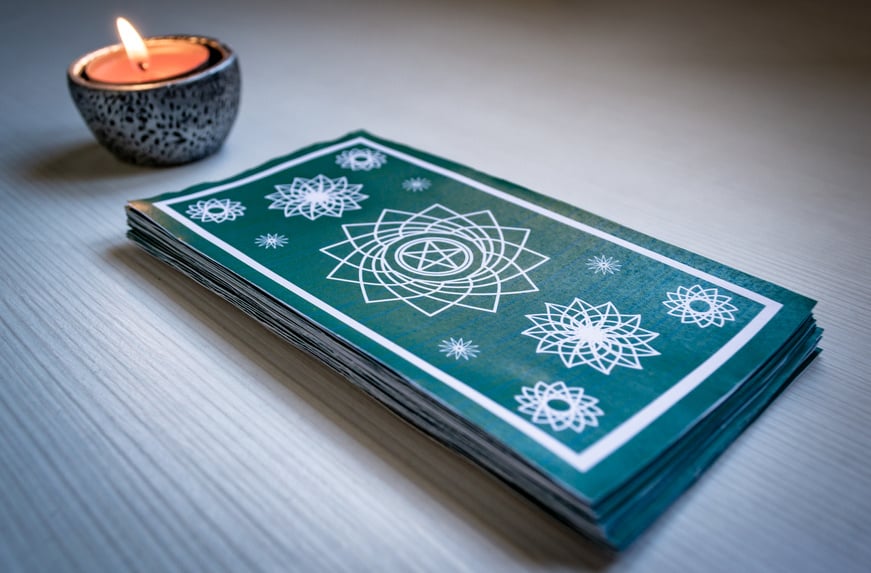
column 137, row 53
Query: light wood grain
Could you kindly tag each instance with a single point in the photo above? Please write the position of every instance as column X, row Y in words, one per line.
column 146, row 425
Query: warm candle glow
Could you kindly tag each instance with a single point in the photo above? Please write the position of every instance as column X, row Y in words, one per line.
column 139, row 60
column 137, row 53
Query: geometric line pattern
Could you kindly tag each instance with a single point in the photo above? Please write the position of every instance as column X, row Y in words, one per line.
column 318, row 196
column 361, row 159
column 215, row 210
column 560, row 407
column 270, row 241
column 598, row 336
column 416, row 184
column 701, row 306
column 603, row 264
column 435, row 259
column 458, row 348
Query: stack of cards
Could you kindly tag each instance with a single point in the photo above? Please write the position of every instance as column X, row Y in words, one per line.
column 593, row 368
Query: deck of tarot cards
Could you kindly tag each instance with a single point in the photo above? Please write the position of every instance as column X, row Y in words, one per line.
column 593, row 368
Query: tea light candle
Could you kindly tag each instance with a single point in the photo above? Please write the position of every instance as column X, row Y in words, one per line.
column 141, row 61
column 157, row 101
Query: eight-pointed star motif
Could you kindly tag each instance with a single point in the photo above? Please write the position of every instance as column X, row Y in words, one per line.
column 270, row 241
column 215, row 210
column 603, row 264
column 702, row 306
column 435, row 259
column 416, row 184
column 318, row 196
column 458, row 348
column 559, row 406
column 598, row 336
column 361, row 159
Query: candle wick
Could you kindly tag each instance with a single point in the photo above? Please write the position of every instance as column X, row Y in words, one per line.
column 142, row 66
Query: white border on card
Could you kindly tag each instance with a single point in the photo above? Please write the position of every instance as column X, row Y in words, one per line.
column 589, row 456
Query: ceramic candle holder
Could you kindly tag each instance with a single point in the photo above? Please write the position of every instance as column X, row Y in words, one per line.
column 166, row 122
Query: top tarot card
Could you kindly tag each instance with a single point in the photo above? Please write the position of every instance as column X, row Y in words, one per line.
column 585, row 347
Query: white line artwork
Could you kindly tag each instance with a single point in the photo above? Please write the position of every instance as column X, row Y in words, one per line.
column 598, row 336
column 559, row 406
column 270, row 241
column 416, row 184
column 604, row 265
column 436, row 259
column 361, row 159
column 317, row 196
column 458, row 348
column 701, row 306
column 215, row 210
column 605, row 445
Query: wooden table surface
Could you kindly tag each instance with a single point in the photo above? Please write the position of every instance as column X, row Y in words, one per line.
column 146, row 425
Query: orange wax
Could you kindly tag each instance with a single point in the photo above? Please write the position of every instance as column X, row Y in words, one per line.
column 167, row 58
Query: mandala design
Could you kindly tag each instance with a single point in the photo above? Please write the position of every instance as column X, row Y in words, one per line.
column 435, row 259
column 559, row 406
column 361, row 159
column 702, row 306
column 416, row 184
column 321, row 195
column 270, row 241
column 604, row 265
column 215, row 210
column 459, row 348
column 598, row 336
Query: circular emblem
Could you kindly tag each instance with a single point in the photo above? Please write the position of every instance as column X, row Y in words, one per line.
column 434, row 256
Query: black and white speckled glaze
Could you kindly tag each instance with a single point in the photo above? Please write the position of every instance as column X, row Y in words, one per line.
column 163, row 123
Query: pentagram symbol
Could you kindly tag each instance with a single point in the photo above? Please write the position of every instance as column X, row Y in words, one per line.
column 434, row 256
column 435, row 259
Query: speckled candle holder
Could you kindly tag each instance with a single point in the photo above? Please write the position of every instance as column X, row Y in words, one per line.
column 169, row 122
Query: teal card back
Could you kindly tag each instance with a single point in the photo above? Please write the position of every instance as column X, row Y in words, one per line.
column 585, row 347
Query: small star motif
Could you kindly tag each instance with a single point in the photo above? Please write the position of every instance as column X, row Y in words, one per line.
column 458, row 348
column 604, row 265
column 271, row 241
column 416, row 184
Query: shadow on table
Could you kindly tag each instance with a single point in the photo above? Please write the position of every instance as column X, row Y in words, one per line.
column 509, row 521
column 83, row 161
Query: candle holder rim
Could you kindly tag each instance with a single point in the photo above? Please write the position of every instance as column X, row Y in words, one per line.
column 75, row 72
